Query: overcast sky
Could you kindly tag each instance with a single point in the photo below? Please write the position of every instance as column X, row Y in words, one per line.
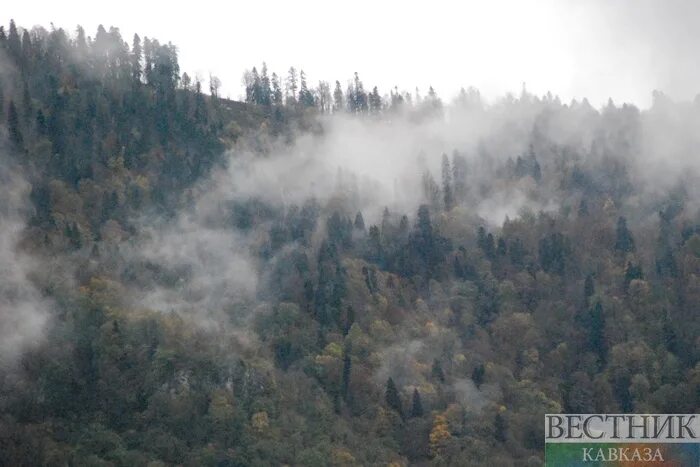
column 593, row 48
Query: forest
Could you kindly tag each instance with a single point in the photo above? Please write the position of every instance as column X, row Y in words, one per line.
column 324, row 274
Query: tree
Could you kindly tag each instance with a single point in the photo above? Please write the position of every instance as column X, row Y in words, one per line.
column 437, row 372
column 13, row 125
column 265, row 86
column 276, row 96
column 14, row 43
column 500, row 428
column 392, row 398
column 478, row 375
column 439, row 436
column 136, row 56
column 253, row 86
column 624, row 241
column 447, row 196
column 347, row 369
column 292, row 86
column 306, row 97
column 324, row 98
column 359, row 222
column 215, row 84
column 596, row 333
column 375, row 102
column 417, row 405
column 338, row 104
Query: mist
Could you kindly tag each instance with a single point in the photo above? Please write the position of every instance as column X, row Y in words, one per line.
column 24, row 311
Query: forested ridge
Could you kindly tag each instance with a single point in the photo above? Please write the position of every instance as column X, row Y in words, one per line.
column 327, row 274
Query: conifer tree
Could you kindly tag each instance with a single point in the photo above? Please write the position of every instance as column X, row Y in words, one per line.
column 13, row 125
column 393, row 400
column 447, row 183
column 136, row 56
column 417, row 405
column 624, row 241
column 338, row 104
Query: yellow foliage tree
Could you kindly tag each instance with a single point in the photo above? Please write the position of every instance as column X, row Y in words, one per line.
column 439, row 435
column 260, row 421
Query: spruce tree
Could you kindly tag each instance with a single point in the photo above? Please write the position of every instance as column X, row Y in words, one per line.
column 338, row 104
column 447, row 196
column 478, row 375
column 13, row 125
column 624, row 241
column 417, row 405
column 393, row 400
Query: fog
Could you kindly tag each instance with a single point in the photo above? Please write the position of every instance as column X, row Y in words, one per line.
column 369, row 164
column 24, row 311
column 595, row 49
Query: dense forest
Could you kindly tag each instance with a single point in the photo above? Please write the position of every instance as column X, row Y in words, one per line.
column 328, row 275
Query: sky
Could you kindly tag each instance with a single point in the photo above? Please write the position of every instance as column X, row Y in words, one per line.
column 599, row 49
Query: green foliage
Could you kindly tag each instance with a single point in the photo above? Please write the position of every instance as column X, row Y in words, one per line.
column 487, row 326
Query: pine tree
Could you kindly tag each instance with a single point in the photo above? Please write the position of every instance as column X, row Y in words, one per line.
column 26, row 49
column 500, row 428
column 276, row 96
column 359, row 222
column 13, row 125
column 478, row 375
column 375, row 102
column 437, row 372
column 359, row 95
column 459, row 176
column 347, row 368
column 393, row 400
column 292, row 86
column 624, row 241
column 447, row 183
column 417, row 405
column 265, row 86
column 306, row 97
column 136, row 55
column 14, row 44
column 596, row 333
column 338, row 104
column 349, row 320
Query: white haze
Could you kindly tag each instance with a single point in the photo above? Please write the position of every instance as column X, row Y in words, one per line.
column 595, row 49
column 370, row 164
column 24, row 312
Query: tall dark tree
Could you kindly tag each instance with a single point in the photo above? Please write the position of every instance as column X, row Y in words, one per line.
column 13, row 125
column 623, row 239
column 265, row 86
column 447, row 193
column 500, row 428
column 416, row 405
column 276, row 95
column 392, row 398
column 596, row 332
column 375, row 102
column 292, row 86
column 338, row 99
column 14, row 43
column 136, row 57
column 478, row 375
column 359, row 222
column 437, row 372
column 347, row 369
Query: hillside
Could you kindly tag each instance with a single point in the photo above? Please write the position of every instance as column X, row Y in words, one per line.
column 328, row 277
